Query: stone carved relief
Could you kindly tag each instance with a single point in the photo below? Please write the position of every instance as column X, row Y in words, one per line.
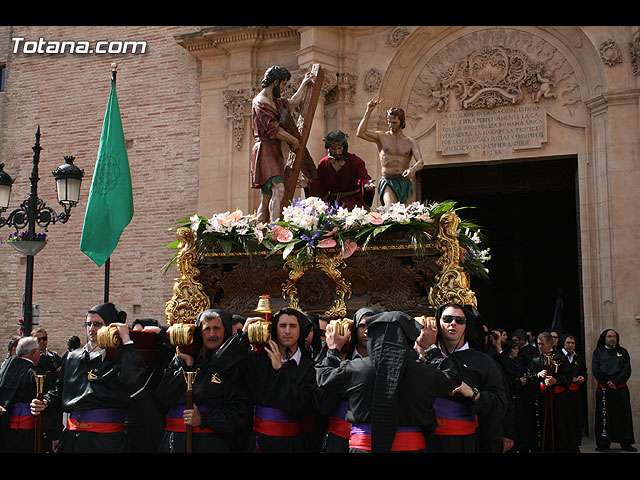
column 494, row 76
column 512, row 65
column 635, row 54
column 340, row 87
column 396, row 36
column 238, row 103
column 372, row 80
column 610, row 53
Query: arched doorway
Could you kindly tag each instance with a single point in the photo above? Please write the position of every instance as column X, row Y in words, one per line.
column 529, row 212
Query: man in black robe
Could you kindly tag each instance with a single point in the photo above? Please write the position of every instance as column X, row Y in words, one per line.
column 611, row 367
column 94, row 387
column 576, row 393
column 471, row 421
column 390, row 392
column 221, row 405
column 145, row 417
column 280, row 377
column 339, row 429
column 49, row 366
column 526, row 438
column 551, row 372
column 17, row 388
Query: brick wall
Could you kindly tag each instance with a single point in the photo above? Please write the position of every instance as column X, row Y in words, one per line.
column 66, row 95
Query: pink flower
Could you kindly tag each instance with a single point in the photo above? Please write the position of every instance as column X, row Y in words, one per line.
column 281, row 234
column 335, row 229
column 260, row 236
column 424, row 218
column 326, row 243
column 224, row 221
column 374, row 217
column 348, row 249
column 235, row 216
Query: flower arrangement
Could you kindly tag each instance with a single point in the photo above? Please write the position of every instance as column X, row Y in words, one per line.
column 309, row 225
column 26, row 236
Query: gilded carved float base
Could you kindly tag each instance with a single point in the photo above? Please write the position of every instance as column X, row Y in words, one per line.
column 388, row 274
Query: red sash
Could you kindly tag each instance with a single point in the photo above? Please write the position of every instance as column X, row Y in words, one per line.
column 554, row 389
column 449, row 426
column 337, row 423
column 454, row 418
column 339, row 427
column 175, row 420
column 274, row 422
column 20, row 417
column 574, row 386
column 605, row 386
column 406, row 439
column 99, row 420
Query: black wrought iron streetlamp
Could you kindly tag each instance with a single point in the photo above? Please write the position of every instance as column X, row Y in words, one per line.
column 34, row 211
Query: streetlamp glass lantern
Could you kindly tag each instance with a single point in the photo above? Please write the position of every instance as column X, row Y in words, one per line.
column 5, row 188
column 68, row 180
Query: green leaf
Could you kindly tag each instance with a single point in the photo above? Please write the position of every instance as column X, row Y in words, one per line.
column 289, row 248
column 226, row 245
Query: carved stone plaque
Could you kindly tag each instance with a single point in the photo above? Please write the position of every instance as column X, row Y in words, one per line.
column 487, row 133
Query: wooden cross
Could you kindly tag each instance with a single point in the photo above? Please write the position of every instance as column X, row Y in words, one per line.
column 307, row 111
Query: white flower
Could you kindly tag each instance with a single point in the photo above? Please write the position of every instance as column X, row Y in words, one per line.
column 195, row 222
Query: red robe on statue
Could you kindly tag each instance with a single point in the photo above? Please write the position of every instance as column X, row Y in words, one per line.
column 345, row 186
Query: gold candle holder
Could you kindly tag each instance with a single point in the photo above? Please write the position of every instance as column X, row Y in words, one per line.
column 109, row 338
column 260, row 332
column 181, row 334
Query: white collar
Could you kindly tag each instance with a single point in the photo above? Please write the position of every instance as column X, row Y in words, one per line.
column 95, row 353
column 355, row 354
column 443, row 350
column 27, row 359
column 568, row 354
column 296, row 356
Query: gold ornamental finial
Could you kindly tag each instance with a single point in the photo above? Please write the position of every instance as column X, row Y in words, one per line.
column 264, row 304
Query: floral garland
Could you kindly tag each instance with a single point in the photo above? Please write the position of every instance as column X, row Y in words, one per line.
column 310, row 224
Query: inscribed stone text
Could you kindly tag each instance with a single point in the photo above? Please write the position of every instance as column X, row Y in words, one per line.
column 492, row 132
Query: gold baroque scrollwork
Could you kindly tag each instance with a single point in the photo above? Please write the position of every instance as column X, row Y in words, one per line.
column 452, row 283
column 188, row 298
column 289, row 289
column 331, row 266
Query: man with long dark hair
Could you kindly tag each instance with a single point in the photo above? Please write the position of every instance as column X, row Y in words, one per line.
column 269, row 114
column 611, row 367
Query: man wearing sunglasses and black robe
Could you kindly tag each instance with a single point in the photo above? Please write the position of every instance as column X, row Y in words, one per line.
column 471, row 420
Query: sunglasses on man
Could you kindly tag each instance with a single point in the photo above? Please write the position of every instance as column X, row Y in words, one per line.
column 450, row 318
column 95, row 324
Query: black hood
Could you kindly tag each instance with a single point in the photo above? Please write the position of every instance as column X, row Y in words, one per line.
column 473, row 332
column 357, row 318
column 225, row 317
column 109, row 313
column 390, row 340
column 303, row 322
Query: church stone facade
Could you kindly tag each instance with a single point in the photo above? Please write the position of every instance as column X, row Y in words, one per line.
column 473, row 95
